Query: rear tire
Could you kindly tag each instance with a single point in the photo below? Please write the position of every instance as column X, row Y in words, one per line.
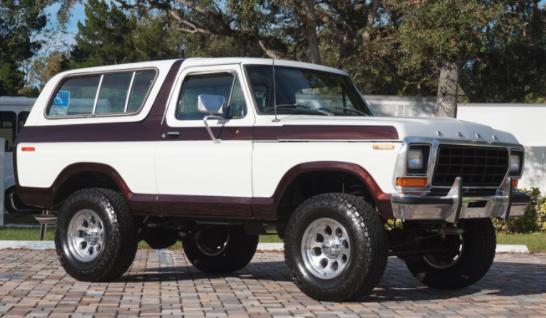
column 96, row 237
column 335, row 247
column 466, row 262
column 219, row 249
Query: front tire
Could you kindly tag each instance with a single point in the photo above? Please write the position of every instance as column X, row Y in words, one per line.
column 467, row 259
column 219, row 249
column 335, row 247
column 96, row 237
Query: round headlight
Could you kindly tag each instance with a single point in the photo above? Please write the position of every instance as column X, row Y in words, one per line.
column 515, row 162
column 416, row 159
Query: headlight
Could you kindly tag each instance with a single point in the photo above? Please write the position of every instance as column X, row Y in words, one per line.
column 417, row 159
column 516, row 159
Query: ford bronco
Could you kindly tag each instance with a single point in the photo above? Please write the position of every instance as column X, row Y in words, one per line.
column 213, row 152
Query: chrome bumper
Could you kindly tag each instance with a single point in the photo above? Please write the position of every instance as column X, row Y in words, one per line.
column 454, row 206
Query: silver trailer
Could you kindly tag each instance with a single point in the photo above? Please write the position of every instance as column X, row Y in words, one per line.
column 13, row 114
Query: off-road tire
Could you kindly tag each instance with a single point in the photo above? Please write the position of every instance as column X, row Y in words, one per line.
column 478, row 252
column 236, row 254
column 120, row 243
column 368, row 245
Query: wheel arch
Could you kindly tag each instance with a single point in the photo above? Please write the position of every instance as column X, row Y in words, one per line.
column 304, row 174
column 70, row 180
column 94, row 174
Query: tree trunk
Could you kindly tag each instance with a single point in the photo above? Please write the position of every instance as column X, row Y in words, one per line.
column 448, row 86
column 311, row 31
column 372, row 12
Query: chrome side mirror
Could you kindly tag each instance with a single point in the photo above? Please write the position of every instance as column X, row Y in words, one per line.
column 213, row 105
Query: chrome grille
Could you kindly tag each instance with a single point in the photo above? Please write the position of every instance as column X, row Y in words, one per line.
column 477, row 166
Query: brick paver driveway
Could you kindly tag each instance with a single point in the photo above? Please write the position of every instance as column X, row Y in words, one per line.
column 163, row 283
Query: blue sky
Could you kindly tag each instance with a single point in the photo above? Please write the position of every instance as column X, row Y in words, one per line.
column 77, row 14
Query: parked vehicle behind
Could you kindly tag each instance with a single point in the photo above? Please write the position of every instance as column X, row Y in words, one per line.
column 211, row 151
column 13, row 114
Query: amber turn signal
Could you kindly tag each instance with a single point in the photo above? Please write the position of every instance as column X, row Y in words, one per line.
column 514, row 183
column 411, row 182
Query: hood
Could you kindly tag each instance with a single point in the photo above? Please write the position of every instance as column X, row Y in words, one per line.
column 425, row 127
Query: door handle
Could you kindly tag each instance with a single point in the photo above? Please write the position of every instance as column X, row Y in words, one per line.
column 171, row 134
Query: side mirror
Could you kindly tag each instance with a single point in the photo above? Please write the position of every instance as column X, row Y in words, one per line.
column 211, row 104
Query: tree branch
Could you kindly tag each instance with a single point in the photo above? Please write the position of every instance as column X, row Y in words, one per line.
column 267, row 51
column 193, row 27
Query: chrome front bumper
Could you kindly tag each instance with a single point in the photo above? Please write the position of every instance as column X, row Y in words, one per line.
column 454, row 206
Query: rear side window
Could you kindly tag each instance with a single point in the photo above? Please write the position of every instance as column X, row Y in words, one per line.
column 102, row 94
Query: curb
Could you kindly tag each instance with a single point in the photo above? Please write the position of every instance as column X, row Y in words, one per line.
column 512, row 249
column 264, row 247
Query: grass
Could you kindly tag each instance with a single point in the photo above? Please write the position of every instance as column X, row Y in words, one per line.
column 536, row 242
column 33, row 234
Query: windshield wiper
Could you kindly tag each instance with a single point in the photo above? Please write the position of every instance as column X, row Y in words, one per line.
column 350, row 109
column 295, row 107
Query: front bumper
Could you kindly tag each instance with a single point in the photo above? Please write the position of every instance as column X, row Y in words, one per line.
column 454, row 206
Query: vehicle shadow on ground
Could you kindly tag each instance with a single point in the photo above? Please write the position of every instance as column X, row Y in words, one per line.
column 504, row 279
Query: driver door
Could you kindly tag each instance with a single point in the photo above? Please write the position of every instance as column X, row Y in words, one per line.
column 198, row 176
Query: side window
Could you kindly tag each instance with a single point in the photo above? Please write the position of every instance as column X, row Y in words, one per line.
column 75, row 97
column 7, row 128
column 113, row 93
column 224, row 84
column 102, row 94
column 142, row 84
column 237, row 105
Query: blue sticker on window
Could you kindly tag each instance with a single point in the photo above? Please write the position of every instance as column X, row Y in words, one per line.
column 62, row 99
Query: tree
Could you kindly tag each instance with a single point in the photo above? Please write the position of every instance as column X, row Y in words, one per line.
column 110, row 35
column 105, row 37
column 446, row 34
column 18, row 20
column 513, row 68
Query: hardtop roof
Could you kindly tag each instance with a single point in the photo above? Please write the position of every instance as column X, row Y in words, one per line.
column 204, row 61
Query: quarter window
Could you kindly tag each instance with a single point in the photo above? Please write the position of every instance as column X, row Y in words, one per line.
column 113, row 93
column 223, row 84
column 75, row 97
column 102, row 94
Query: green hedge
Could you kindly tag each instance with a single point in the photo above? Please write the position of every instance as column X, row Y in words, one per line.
column 533, row 220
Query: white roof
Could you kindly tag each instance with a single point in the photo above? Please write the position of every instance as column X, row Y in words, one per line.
column 203, row 61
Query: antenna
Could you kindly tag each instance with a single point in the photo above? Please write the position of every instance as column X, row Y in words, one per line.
column 275, row 93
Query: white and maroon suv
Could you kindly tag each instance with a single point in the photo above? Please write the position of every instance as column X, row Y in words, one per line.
column 210, row 151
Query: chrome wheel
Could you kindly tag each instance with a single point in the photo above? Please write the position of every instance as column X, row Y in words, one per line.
column 326, row 248
column 85, row 235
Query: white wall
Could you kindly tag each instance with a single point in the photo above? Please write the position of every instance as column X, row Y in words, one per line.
column 526, row 121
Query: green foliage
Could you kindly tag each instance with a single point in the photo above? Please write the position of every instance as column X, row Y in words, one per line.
column 110, row 35
column 388, row 46
column 534, row 217
column 512, row 68
column 18, row 20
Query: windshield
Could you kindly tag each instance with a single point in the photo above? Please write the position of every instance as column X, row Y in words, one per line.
column 304, row 91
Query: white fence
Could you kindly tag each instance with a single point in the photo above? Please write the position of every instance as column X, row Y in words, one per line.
column 526, row 121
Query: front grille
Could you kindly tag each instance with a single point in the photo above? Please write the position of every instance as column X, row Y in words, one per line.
column 467, row 192
column 477, row 166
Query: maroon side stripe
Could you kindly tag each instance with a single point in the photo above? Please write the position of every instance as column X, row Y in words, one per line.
column 149, row 130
